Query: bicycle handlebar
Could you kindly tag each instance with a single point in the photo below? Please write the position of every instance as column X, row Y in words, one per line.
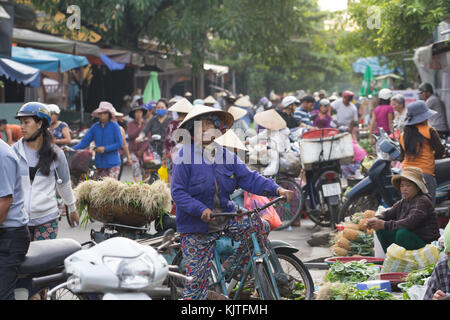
column 236, row 214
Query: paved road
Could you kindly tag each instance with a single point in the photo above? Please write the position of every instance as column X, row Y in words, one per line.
column 297, row 237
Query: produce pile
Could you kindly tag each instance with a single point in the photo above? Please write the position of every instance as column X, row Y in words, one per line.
column 355, row 238
column 416, row 277
column 341, row 280
column 351, row 272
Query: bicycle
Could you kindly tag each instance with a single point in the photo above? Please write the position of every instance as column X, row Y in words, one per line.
column 269, row 265
column 289, row 212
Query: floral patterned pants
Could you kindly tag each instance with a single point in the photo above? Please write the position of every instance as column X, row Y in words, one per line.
column 197, row 251
column 45, row 231
column 109, row 172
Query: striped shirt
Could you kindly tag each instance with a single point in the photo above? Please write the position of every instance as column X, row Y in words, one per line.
column 302, row 115
column 440, row 279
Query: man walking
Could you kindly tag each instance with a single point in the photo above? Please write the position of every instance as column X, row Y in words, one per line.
column 14, row 234
column 439, row 120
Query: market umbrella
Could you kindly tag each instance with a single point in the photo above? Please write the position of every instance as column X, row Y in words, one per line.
column 152, row 91
column 368, row 79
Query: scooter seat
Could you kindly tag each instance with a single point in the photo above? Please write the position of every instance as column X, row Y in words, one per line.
column 46, row 255
column 442, row 170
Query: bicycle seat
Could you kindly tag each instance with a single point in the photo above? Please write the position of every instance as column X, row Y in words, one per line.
column 442, row 169
column 47, row 254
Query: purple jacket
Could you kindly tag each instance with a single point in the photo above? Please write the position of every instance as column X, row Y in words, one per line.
column 193, row 186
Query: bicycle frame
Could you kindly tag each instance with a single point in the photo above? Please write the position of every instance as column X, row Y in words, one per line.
column 257, row 256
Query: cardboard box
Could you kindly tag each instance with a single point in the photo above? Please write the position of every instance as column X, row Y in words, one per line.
column 375, row 284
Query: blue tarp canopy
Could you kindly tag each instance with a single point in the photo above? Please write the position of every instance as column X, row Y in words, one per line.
column 47, row 60
column 110, row 63
column 19, row 72
column 374, row 62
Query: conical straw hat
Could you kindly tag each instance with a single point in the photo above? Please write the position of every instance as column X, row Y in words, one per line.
column 210, row 100
column 199, row 110
column 237, row 112
column 270, row 119
column 243, row 102
column 230, row 140
column 183, row 106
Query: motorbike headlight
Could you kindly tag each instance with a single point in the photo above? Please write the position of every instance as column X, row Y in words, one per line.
column 133, row 273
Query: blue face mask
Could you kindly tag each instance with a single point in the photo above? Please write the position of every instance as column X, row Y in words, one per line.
column 161, row 112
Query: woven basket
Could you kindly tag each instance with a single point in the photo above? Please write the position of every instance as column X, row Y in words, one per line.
column 113, row 213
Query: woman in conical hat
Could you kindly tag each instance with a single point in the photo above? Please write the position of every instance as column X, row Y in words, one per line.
column 182, row 108
column 201, row 186
column 275, row 134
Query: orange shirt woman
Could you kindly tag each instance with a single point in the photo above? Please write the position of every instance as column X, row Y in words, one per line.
column 420, row 144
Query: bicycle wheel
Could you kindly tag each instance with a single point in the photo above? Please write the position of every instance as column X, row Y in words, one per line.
column 177, row 285
column 264, row 285
column 289, row 211
column 301, row 282
column 357, row 204
column 66, row 294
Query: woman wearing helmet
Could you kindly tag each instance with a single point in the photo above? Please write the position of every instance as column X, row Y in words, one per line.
column 203, row 178
column 383, row 115
column 59, row 129
column 44, row 171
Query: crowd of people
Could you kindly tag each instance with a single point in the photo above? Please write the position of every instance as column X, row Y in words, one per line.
column 34, row 168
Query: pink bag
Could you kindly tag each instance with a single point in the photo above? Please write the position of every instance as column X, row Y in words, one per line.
column 269, row 214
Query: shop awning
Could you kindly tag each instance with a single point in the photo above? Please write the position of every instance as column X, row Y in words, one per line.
column 47, row 60
column 19, row 72
column 374, row 62
column 35, row 39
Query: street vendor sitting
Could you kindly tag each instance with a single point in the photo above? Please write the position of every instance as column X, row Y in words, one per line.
column 411, row 222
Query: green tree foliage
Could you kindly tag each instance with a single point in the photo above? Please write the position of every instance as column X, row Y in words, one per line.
column 383, row 27
column 255, row 27
column 313, row 59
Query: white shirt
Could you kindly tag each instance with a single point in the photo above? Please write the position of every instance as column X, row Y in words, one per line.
column 278, row 141
column 345, row 114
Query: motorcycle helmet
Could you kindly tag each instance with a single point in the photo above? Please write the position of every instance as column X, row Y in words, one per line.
column 34, row 109
column 53, row 108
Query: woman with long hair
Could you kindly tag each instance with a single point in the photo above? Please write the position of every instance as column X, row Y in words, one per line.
column 420, row 144
column 44, row 171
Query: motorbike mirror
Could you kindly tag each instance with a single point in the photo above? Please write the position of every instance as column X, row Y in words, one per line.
column 156, row 137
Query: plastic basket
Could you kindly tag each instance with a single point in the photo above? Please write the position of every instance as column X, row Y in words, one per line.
column 127, row 215
column 322, row 133
column 336, row 147
column 358, row 258
column 393, row 277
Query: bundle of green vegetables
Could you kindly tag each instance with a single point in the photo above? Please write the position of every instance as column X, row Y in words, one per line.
column 345, row 291
column 416, row 277
column 351, row 272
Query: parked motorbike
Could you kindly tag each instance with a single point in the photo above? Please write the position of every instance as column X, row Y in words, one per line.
column 151, row 159
column 376, row 189
column 43, row 267
column 120, row 269
column 323, row 191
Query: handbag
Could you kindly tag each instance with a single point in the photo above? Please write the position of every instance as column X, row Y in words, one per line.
column 269, row 214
